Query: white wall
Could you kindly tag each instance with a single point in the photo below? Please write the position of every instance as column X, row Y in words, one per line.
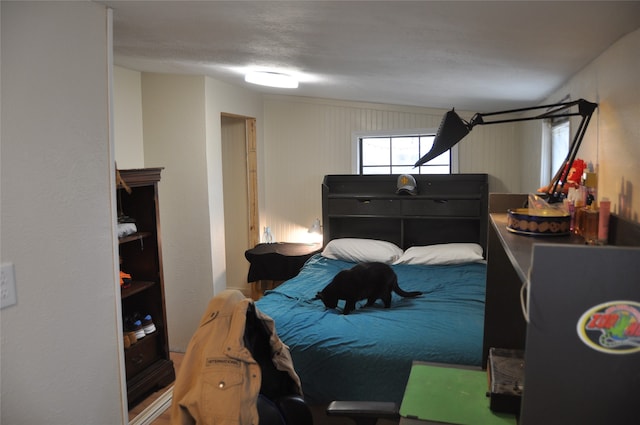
column 182, row 133
column 225, row 98
column 127, row 121
column 307, row 138
column 174, row 138
column 612, row 140
column 61, row 344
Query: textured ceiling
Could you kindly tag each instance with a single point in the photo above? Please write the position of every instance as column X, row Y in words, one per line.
column 476, row 55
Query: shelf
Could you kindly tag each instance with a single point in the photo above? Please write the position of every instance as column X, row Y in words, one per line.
column 447, row 208
column 157, row 375
column 147, row 363
column 141, row 354
column 433, row 197
column 149, row 339
column 509, row 261
column 518, row 248
column 136, row 287
column 134, row 237
column 405, row 217
column 141, row 176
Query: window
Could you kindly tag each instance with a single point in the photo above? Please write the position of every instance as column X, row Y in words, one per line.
column 396, row 154
column 555, row 148
column 559, row 144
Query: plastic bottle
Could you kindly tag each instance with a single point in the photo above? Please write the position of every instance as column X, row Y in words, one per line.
column 591, row 183
column 603, row 221
column 571, row 206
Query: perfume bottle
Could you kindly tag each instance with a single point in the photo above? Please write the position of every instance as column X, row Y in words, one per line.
column 603, row 221
column 590, row 222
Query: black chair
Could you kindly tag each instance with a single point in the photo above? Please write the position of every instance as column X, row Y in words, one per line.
column 278, row 403
column 364, row 412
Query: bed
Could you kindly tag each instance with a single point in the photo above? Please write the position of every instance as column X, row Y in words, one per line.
column 434, row 241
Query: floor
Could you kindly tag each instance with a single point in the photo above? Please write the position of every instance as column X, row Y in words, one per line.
column 163, row 419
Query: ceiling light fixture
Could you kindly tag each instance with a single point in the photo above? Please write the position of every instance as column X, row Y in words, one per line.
column 271, row 79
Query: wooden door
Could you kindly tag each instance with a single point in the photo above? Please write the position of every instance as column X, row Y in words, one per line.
column 240, row 195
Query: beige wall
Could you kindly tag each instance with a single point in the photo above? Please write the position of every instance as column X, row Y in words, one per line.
column 306, row 139
column 174, row 138
column 127, row 121
column 612, row 140
column 182, row 133
column 224, row 98
column 62, row 354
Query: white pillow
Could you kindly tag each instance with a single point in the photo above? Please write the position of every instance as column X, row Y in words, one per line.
column 450, row 253
column 362, row 250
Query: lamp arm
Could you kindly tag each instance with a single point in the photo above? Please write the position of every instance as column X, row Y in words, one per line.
column 453, row 129
column 563, row 173
column 585, row 110
column 478, row 119
column 557, row 107
column 552, row 112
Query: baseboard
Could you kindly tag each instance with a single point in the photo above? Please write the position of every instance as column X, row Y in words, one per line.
column 155, row 409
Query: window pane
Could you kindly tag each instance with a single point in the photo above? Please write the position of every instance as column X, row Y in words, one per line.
column 406, row 169
column 376, row 170
column 397, row 154
column 426, row 142
column 442, row 159
column 439, row 169
column 404, row 150
column 559, row 145
column 376, row 151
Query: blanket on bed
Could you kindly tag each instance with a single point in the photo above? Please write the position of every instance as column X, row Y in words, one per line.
column 367, row 354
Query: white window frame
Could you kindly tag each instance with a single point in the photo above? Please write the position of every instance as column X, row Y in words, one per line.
column 357, row 135
column 547, row 168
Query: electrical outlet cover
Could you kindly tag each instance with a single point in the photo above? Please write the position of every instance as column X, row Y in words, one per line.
column 7, row 285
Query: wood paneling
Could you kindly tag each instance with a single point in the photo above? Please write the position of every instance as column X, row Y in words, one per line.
column 305, row 139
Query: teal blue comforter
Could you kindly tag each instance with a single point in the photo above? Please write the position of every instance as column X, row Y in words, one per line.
column 367, row 354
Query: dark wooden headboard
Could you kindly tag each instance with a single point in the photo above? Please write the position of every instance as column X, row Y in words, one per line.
column 447, row 208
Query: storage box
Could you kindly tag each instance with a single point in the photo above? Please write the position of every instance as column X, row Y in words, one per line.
column 505, row 369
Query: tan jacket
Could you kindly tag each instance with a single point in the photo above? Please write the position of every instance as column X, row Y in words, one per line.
column 219, row 381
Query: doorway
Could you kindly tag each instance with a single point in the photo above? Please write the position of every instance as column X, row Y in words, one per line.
column 240, row 195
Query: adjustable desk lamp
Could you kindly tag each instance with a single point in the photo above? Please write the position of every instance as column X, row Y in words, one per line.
column 453, row 129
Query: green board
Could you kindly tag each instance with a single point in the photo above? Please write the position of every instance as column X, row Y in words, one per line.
column 451, row 395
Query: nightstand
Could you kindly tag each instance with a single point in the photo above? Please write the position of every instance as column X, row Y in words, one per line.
column 273, row 263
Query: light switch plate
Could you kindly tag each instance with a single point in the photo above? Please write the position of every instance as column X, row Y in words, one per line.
column 7, row 285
